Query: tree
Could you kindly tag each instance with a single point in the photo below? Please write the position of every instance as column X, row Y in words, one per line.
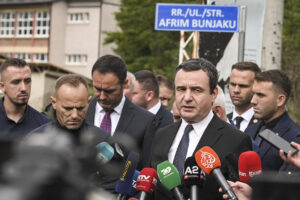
column 291, row 53
column 139, row 44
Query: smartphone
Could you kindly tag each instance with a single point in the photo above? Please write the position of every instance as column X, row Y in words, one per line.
column 277, row 141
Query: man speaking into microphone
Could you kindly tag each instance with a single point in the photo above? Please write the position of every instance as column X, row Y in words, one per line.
column 195, row 92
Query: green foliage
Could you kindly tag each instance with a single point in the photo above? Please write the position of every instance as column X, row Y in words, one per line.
column 139, row 44
column 291, row 53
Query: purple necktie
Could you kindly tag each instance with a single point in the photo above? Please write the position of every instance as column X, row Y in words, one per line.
column 106, row 121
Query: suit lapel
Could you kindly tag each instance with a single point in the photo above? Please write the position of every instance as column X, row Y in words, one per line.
column 211, row 133
column 90, row 114
column 125, row 118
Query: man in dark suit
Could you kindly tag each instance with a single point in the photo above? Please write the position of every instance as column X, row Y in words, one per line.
column 113, row 112
column 240, row 90
column 145, row 94
column 271, row 92
column 195, row 90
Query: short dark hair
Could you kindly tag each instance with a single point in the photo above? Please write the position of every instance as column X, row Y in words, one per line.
column 195, row 64
column 243, row 66
column 71, row 79
column 148, row 81
column 111, row 63
column 279, row 79
column 16, row 62
column 163, row 80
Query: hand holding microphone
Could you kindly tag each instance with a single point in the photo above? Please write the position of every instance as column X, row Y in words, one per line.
column 208, row 161
column 242, row 190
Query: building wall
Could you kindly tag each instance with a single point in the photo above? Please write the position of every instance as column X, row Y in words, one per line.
column 108, row 23
column 37, row 90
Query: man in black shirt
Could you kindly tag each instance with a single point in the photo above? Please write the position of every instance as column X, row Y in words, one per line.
column 17, row 118
column 271, row 91
column 70, row 101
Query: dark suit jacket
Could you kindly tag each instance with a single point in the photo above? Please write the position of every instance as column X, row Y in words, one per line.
column 135, row 122
column 219, row 135
column 287, row 129
column 163, row 117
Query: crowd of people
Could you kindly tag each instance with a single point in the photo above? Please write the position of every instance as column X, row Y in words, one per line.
column 132, row 113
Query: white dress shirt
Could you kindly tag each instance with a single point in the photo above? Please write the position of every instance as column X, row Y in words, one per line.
column 155, row 108
column 194, row 136
column 247, row 116
column 114, row 116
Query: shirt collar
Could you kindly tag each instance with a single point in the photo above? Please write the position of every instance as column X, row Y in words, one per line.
column 117, row 109
column 200, row 125
column 155, row 108
column 247, row 116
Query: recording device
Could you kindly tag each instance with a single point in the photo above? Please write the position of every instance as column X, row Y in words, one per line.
column 125, row 181
column 277, row 141
column 170, row 178
column 193, row 177
column 249, row 166
column 105, row 152
column 146, row 182
column 132, row 190
column 208, row 161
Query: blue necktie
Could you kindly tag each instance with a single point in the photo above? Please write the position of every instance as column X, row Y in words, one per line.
column 181, row 152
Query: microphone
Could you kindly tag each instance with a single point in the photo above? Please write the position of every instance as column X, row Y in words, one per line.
column 193, row 177
column 232, row 167
column 208, row 161
column 132, row 198
column 105, row 152
column 170, row 178
column 132, row 190
column 125, row 180
column 146, row 182
column 249, row 166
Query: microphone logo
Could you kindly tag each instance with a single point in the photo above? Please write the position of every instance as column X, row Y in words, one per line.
column 207, row 160
column 166, row 170
column 125, row 171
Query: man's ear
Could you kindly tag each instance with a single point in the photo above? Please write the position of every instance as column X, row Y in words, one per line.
column 281, row 100
column 149, row 95
column 53, row 101
column 218, row 110
column 125, row 84
column 214, row 95
column 89, row 99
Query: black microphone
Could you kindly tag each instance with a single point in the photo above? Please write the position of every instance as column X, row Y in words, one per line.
column 193, row 177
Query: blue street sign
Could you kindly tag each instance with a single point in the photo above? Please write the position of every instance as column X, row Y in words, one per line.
column 189, row 17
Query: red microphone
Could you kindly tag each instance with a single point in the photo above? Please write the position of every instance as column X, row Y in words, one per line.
column 132, row 198
column 209, row 162
column 146, row 182
column 249, row 166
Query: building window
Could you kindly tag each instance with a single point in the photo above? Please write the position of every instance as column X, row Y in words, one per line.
column 25, row 20
column 42, row 23
column 78, row 17
column 24, row 56
column 7, row 24
column 40, row 57
column 76, row 59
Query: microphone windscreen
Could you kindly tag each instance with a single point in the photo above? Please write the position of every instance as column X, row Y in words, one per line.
column 249, row 166
column 147, row 180
column 193, row 175
column 132, row 190
column 105, row 152
column 168, row 175
column 125, row 180
column 207, row 159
